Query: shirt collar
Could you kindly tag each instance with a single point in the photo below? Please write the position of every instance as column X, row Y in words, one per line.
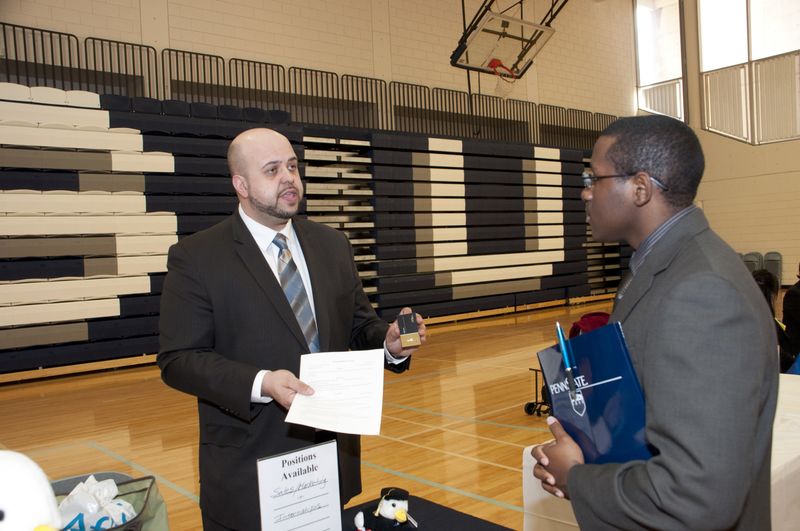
column 262, row 234
column 638, row 257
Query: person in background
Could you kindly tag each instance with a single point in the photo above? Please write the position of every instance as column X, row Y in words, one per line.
column 701, row 340
column 791, row 314
column 769, row 286
column 242, row 301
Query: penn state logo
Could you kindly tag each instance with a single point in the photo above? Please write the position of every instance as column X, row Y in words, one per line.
column 578, row 403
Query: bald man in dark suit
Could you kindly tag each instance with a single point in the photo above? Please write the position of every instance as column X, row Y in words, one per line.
column 230, row 337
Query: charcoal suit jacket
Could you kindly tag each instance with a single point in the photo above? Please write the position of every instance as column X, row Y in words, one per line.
column 223, row 318
column 703, row 345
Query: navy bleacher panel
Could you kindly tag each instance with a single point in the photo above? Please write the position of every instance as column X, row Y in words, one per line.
column 190, row 224
column 395, row 252
column 395, row 236
column 500, row 232
column 566, row 268
column 403, row 141
column 395, row 220
column 230, row 112
column 575, row 254
column 579, row 291
column 491, row 218
column 104, row 329
column 335, row 131
column 54, row 356
column 543, row 295
column 201, row 165
column 455, row 307
column 473, row 162
column 496, row 246
column 397, row 158
column 195, row 204
column 30, row 268
column 113, row 102
column 501, row 149
column 393, row 204
column 134, row 305
column 414, row 298
column 276, row 116
column 575, row 168
column 493, row 177
column 384, row 188
column 396, row 267
column 201, row 109
column 392, row 173
column 406, row 283
column 562, row 280
column 474, row 204
column 175, row 108
column 188, row 184
column 39, row 180
column 254, row 114
column 211, row 147
column 157, row 282
column 145, row 105
column 146, row 123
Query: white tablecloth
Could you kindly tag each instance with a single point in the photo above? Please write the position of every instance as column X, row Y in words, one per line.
column 544, row 512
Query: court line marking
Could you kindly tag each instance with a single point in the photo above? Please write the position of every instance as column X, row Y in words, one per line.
column 444, row 487
column 428, row 428
column 147, row 472
column 466, row 419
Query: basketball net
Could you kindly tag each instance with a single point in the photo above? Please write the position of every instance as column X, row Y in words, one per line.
column 506, row 78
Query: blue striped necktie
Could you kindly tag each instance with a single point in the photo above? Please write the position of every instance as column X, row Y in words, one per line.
column 292, row 284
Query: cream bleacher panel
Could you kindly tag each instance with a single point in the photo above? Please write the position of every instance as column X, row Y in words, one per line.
column 111, row 182
column 150, row 223
column 48, row 114
column 54, row 159
column 51, row 137
column 50, row 95
column 57, row 312
column 438, row 189
column 30, row 336
column 542, row 178
column 543, row 231
column 444, row 144
column 83, row 98
column 552, row 166
column 145, row 162
column 546, row 153
column 440, row 174
column 144, row 245
column 544, row 217
column 469, row 291
column 14, row 91
column 62, row 290
column 543, row 204
column 442, row 249
column 444, row 160
column 441, row 234
column 489, row 260
column 439, row 204
column 438, row 219
column 70, row 203
column 57, row 246
column 543, row 191
column 126, row 265
column 490, row 275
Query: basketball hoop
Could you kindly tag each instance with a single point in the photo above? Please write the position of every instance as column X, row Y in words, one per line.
column 505, row 78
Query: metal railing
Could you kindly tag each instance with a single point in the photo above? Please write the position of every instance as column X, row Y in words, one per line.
column 32, row 57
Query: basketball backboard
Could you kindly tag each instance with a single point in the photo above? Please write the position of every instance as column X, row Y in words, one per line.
column 500, row 43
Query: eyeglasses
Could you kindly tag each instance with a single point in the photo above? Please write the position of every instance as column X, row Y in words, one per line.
column 589, row 179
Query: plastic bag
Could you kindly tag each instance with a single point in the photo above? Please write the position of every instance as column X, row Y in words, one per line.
column 91, row 507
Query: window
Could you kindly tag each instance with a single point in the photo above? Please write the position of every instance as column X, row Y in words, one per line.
column 658, row 49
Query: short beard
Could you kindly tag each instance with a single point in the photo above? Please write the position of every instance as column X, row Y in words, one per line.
column 271, row 210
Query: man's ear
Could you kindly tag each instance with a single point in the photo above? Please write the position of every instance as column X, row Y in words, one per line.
column 240, row 185
column 642, row 188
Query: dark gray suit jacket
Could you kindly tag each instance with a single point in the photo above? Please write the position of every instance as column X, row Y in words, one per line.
column 703, row 344
column 223, row 318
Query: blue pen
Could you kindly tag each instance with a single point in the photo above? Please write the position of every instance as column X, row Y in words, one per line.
column 565, row 354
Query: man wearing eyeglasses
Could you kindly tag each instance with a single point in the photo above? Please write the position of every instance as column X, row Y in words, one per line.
column 701, row 340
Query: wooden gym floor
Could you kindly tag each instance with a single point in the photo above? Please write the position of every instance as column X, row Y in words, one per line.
column 453, row 426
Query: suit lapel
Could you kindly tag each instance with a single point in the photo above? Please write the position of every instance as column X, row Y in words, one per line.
column 315, row 254
column 253, row 260
column 658, row 260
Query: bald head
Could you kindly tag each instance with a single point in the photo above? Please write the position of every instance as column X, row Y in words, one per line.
column 247, row 143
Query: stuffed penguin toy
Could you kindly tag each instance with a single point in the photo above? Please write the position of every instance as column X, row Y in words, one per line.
column 27, row 502
column 391, row 513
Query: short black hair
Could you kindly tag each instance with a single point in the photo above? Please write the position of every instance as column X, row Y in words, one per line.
column 665, row 148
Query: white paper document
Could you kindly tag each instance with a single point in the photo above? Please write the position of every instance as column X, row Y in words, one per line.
column 348, row 392
column 300, row 490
